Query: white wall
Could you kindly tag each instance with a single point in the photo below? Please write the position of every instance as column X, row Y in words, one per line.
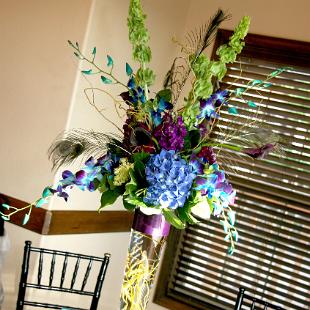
column 37, row 74
column 38, row 79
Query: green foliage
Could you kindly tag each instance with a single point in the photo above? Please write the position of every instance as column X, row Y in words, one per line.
column 218, row 69
column 106, row 80
column 136, row 201
column 185, row 212
column 128, row 69
column 228, row 52
column 26, row 219
column 6, row 206
column 47, row 192
column 239, row 91
column 109, row 197
column 87, row 72
column 232, row 110
column 145, row 76
column 165, row 94
column 131, row 186
column 40, row 202
column 172, row 218
column 191, row 139
column 251, row 104
column 110, row 61
column 202, row 87
column 138, row 34
column 128, row 206
column 189, row 115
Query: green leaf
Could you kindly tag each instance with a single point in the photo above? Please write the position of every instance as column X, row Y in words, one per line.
column 145, row 76
column 6, row 206
column 143, row 156
column 94, row 51
column 218, row 69
column 225, row 226
column 233, row 110
column 110, row 61
column 109, row 197
column 26, row 218
column 256, row 82
column 128, row 206
column 110, row 179
column 105, row 80
column 239, row 91
column 131, row 186
column 252, row 104
column 235, row 235
column 128, row 69
column 230, row 250
column 47, row 192
column 40, row 202
column 171, row 217
column 266, row 85
column 104, row 184
column 165, row 94
column 231, row 217
column 194, row 136
column 5, row 218
column 227, row 237
column 88, row 72
column 135, row 201
column 279, row 71
column 139, row 168
column 185, row 216
column 275, row 73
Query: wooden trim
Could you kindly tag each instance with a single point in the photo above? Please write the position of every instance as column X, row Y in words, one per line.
column 61, row 222
column 89, row 222
column 278, row 50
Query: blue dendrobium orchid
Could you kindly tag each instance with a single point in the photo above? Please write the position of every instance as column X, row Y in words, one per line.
column 162, row 106
column 208, row 106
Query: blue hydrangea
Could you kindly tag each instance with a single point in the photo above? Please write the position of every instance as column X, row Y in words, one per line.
column 170, row 180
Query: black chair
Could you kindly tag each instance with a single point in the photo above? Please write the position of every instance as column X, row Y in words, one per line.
column 252, row 302
column 66, row 259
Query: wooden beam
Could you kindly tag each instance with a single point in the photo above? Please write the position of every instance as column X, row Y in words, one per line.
column 86, row 222
column 61, row 222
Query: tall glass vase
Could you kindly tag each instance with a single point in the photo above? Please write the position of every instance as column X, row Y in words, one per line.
column 148, row 235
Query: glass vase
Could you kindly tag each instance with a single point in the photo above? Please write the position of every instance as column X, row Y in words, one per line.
column 148, row 235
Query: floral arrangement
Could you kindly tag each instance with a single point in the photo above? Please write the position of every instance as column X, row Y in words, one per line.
column 164, row 160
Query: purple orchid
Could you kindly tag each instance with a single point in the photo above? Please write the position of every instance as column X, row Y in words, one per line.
column 207, row 154
column 170, row 134
column 259, row 152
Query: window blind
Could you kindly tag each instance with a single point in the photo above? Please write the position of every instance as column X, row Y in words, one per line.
column 272, row 260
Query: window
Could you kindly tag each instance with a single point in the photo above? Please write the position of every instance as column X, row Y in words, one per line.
column 273, row 196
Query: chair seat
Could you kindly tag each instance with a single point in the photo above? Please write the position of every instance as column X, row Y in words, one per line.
column 51, row 306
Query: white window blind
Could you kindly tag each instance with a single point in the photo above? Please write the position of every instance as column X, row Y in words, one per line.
column 272, row 260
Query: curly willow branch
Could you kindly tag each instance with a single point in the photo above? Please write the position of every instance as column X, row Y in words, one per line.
column 140, row 272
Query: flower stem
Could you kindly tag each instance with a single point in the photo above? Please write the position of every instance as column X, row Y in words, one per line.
column 92, row 62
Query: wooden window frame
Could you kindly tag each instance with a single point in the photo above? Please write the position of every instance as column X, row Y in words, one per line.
column 278, row 50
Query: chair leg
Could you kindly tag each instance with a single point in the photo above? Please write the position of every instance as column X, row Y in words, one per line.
column 101, row 276
column 23, row 278
column 239, row 299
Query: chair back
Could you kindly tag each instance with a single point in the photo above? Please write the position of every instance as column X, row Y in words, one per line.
column 53, row 284
column 252, row 303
